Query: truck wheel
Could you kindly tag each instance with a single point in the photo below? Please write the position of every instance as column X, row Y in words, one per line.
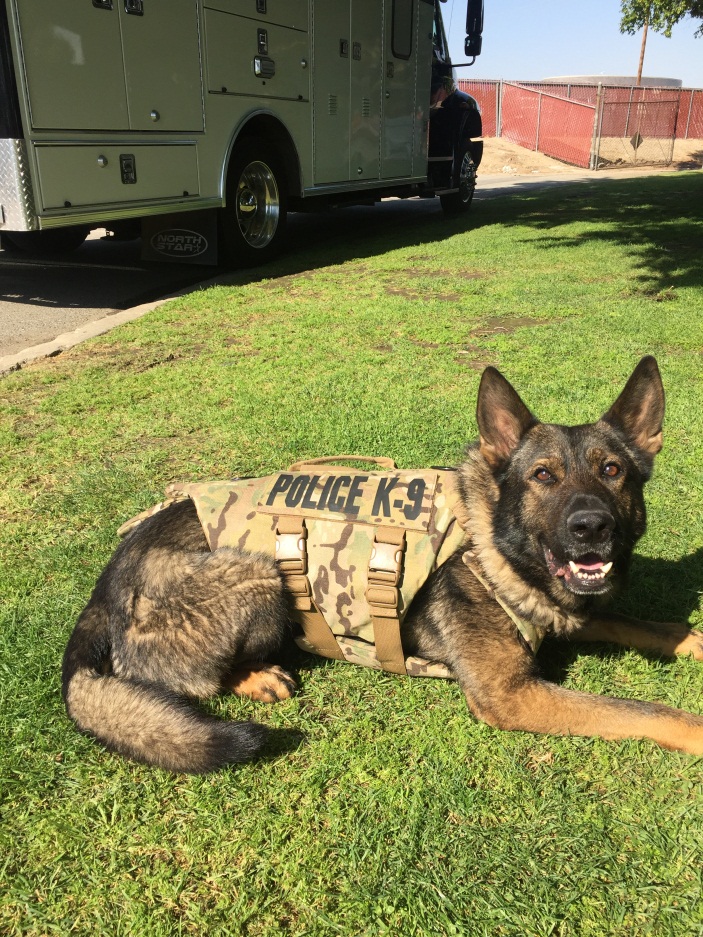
column 44, row 243
column 253, row 220
column 455, row 203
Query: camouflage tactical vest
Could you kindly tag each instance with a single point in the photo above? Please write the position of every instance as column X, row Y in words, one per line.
column 354, row 547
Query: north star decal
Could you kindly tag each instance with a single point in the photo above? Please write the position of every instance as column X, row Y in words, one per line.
column 383, row 497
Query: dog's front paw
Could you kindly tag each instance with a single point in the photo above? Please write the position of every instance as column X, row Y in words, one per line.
column 692, row 644
column 267, row 683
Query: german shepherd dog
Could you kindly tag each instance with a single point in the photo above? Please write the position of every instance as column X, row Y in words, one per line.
column 554, row 514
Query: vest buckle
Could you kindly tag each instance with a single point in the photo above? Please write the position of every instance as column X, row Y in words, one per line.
column 386, row 562
column 291, row 548
column 385, row 572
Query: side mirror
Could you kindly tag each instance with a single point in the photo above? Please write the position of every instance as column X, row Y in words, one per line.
column 474, row 18
column 474, row 27
column 472, row 46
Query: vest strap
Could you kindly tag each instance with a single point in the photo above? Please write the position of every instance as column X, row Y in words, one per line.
column 292, row 560
column 304, row 464
column 383, row 596
column 533, row 636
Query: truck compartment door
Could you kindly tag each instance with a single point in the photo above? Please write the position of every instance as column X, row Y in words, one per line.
column 72, row 57
column 71, row 176
column 406, row 85
column 398, row 88
column 366, row 70
column 347, row 71
column 330, row 76
column 162, row 64
column 238, row 47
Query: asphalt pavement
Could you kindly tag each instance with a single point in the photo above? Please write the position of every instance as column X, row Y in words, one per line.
column 41, row 298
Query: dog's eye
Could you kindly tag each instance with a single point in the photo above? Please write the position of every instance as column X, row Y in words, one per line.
column 542, row 475
column 611, row 469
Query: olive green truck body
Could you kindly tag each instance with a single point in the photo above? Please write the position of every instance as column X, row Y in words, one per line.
column 122, row 110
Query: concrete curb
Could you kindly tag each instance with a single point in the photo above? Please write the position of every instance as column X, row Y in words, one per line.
column 62, row 343
column 69, row 339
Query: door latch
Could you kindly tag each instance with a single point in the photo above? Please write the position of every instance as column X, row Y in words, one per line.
column 264, row 67
column 128, row 168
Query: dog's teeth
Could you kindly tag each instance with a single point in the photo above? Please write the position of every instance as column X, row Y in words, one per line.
column 598, row 574
column 593, row 574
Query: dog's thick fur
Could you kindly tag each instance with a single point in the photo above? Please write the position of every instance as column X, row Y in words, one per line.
column 549, row 507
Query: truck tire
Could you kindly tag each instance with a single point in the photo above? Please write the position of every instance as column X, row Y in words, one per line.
column 456, row 203
column 253, row 220
column 44, row 243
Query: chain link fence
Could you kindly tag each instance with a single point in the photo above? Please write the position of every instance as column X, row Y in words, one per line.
column 590, row 125
column 635, row 132
column 555, row 126
column 690, row 123
column 488, row 95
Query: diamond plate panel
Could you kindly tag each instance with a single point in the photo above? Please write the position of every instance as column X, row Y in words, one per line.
column 16, row 196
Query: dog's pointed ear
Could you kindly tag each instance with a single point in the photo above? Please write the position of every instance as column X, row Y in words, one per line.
column 502, row 418
column 638, row 413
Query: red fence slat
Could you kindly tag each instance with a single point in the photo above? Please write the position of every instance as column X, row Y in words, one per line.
column 566, row 130
column 487, row 94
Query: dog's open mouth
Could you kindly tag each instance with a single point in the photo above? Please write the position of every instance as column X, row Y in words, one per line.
column 587, row 573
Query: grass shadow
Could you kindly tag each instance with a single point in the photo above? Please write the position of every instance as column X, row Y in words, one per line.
column 280, row 742
column 656, row 219
column 652, row 217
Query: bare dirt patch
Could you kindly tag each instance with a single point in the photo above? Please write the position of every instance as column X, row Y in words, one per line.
column 474, row 358
column 502, row 156
column 421, row 344
column 286, row 282
column 437, row 274
column 688, row 154
column 427, row 297
column 506, row 325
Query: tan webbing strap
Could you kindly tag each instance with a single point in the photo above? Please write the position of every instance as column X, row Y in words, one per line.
column 383, row 596
column 292, row 560
column 303, row 464
column 533, row 636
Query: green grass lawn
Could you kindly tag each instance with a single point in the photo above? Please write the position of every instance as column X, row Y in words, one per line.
column 382, row 806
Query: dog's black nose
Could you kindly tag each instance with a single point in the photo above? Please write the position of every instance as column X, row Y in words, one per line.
column 592, row 526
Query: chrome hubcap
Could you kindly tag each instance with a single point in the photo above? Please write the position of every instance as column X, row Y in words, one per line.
column 258, row 204
column 467, row 178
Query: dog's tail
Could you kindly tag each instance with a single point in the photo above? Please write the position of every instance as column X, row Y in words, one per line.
column 139, row 720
